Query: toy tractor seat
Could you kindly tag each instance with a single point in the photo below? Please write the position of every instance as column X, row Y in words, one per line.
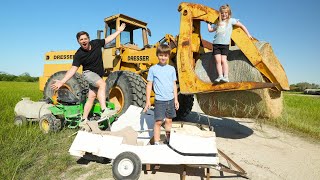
column 66, row 97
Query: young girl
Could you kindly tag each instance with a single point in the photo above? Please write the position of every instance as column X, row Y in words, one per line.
column 222, row 40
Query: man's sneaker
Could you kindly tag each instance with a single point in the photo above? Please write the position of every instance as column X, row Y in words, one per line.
column 225, row 79
column 218, row 79
column 83, row 122
column 106, row 113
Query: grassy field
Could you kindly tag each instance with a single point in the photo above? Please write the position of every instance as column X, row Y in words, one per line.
column 301, row 114
column 27, row 153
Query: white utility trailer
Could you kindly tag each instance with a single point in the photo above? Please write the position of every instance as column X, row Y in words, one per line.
column 128, row 145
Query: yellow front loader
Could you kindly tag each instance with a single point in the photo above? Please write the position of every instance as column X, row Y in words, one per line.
column 128, row 58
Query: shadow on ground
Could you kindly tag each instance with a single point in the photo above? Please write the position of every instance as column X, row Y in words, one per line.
column 87, row 158
column 223, row 127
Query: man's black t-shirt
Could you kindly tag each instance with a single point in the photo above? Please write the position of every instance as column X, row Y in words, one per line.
column 91, row 60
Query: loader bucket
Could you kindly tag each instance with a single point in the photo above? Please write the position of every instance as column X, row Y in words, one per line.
column 190, row 48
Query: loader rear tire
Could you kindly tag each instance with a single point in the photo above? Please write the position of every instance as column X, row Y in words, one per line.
column 263, row 103
column 76, row 84
column 125, row 88
column 49, row 123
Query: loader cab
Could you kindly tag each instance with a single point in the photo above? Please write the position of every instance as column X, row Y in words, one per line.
column 134, row 37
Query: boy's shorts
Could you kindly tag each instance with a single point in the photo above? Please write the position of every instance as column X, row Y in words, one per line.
column 164, row 109
column 220, row 49
column 91, row 78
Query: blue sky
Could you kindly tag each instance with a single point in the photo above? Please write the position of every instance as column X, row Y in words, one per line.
column 31, row 28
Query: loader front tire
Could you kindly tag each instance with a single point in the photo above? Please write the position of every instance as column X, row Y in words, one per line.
column 76, row 84
column 126, row 165
column 49, row 123
column 125, row 88
column 185, row 106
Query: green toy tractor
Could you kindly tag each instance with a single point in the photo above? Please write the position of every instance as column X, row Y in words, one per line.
column 67, row 112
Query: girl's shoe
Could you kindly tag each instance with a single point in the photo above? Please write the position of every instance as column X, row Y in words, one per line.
column 225, row 79
column 218, row 79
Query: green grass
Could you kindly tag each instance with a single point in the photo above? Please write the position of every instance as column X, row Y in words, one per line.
column 25, row 152
column 301, row 114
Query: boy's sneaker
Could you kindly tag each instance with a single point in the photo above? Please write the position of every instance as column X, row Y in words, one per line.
column 106, row 113
column 225, row 79
column 157, row 143
column 218, row 79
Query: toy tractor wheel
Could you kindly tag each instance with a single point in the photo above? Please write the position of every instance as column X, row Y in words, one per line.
column 125, row 88
column 126, row 165
column 20, row 120
column 76, row 84
column 49, row 123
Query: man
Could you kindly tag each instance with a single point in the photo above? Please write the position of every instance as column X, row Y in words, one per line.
column 89, row 55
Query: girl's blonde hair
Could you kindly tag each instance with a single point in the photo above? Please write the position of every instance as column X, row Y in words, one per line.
column 223, row 8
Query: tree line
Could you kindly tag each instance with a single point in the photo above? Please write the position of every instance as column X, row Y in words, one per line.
column 300, row 87
column 25, row 77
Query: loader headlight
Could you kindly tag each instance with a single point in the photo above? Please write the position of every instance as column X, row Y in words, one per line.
column 117, row 52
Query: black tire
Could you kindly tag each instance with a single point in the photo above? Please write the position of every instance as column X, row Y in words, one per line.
column 127, row 88
column 185, row 106
column 20, row 120
column 76, row 84
column 126, row 165
column 49, row 123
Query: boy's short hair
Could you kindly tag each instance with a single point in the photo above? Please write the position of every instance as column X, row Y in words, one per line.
column 163, row 48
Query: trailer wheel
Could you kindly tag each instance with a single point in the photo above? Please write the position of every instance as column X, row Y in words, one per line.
column 49, row 123
column 20, row 120
column 125, row 88
column 76, row 84
column 126, row 165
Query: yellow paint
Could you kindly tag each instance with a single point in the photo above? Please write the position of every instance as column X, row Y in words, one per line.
column 59, row 55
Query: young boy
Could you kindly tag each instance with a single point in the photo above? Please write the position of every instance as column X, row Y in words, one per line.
column 163, row 78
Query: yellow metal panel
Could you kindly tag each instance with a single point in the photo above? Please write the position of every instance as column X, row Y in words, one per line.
column 42, row 82
column 126, row 19
column 136, row 56
column 108, row 58
column 50, row 69
column 59, row 55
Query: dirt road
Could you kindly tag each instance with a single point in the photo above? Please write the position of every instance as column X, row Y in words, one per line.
column 263, row 152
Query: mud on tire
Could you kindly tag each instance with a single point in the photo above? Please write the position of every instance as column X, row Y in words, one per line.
column 127, row 88
column 76, row 84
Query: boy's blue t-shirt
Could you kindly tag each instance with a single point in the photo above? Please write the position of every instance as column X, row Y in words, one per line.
column 162, row 78
column 223, row 32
